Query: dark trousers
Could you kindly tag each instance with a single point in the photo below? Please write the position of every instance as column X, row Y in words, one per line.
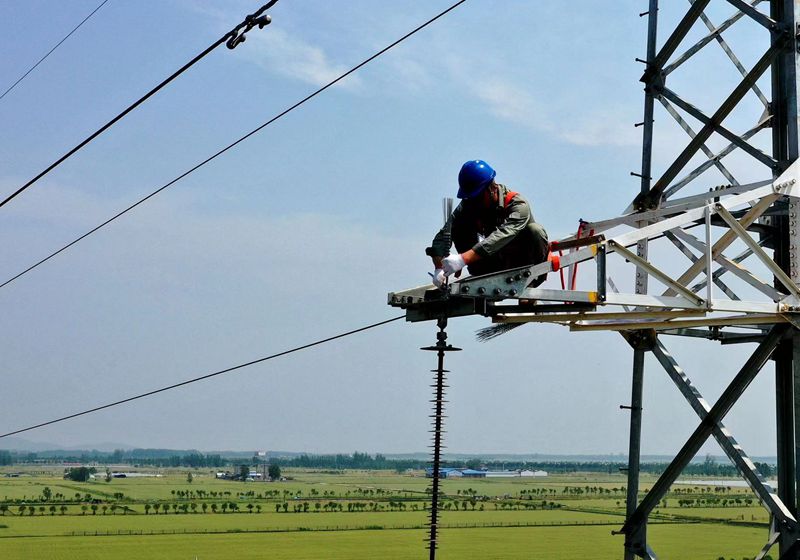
column 527, row 248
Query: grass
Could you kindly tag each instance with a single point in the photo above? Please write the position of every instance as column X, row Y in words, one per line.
column 61, row 525
column 683, row 541
column 309, row 535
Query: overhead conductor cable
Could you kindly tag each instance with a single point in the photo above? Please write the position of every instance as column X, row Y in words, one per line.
column 233, row 144
column 67, row 36
column 201, row 378
column 232, row 38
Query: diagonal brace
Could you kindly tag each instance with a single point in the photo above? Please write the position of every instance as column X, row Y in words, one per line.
column 651, row 198
column 752, row 244
column 662, row 277
column 734, row 59
column 753, row 13
column 703, row 167
column 725, row 240
column 729, row 397
column 674, row 40
column 730, row 265
column 774, row 535
column 735, row 139
column 714, row 32
column 691, row 256
column 706, row 150
column 726, row 441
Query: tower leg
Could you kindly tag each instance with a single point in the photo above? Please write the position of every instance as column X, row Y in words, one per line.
column 635, row 544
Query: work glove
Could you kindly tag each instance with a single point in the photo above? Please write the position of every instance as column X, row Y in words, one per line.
column 453, row 264
column 438, row 278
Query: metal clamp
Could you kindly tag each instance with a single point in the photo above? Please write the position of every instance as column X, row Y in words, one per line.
column 237, row 36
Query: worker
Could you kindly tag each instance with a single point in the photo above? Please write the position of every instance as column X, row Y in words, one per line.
column 492, row 229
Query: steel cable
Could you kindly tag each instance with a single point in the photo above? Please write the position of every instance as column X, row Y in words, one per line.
column 67, row 36
column 233, row 144
column 233, row 38
column 201, row 378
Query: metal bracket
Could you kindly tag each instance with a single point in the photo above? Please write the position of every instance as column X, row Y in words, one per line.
column 641, row 340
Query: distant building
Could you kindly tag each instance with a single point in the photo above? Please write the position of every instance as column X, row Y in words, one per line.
column 501, row 474
column 472, row 473
column 443, row 472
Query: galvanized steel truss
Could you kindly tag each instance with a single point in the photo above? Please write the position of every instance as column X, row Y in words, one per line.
column 758, row 216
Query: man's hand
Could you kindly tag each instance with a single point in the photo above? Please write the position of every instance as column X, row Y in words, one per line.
column 439, row 278
column 453, row 264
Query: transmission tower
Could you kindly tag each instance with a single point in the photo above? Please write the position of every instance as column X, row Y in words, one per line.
column 721, row 298
column 778, row 28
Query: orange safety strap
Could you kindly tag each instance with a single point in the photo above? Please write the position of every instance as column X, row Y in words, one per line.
column 555, row 261
column 509, row 196
column 574, row 279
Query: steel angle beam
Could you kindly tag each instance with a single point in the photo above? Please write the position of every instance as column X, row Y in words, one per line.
column 691, row 256
column 765, row 493
column 734, row 321
column 714, row 194
column 674, row 207
column 732, row 56
column 571, row 309
column 656, row 65
column 735, row 139
column 499, row 285
column 763, row 197
column 427, row 303
column 729, row 265
column 652, row 198
column 727, row 238
column 655, row 272
column 774, row 535
column 580, row 317
column 690, row 131
column 744, row 274
column 714, row 33
column 715, row 334
column 512, row 283
column 547, row 294
column 651, row 302
column 773, row 267
column 754, row 14
column 714, row 416
column 765, row 122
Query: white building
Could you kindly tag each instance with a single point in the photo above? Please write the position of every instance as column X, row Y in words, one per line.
column 532, row 473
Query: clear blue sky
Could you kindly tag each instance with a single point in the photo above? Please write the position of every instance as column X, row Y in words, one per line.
column 300, row 232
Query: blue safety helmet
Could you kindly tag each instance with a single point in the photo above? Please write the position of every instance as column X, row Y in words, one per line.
column 475, row 175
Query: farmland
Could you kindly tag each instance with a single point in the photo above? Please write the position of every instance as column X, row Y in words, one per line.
column 352, row 514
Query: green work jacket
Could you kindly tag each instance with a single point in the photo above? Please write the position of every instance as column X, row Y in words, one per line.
column 484, row 230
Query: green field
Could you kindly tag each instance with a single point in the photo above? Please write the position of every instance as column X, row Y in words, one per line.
column 354, row 514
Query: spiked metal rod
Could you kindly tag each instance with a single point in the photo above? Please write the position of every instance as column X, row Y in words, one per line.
column 440, row 348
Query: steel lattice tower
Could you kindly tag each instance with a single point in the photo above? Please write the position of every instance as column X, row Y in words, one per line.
column 780, row 29
column 760, row 216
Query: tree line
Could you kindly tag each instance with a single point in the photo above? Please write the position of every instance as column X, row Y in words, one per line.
column 358, row 460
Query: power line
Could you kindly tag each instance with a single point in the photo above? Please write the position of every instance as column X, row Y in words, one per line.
column 232, row 38
column 202, row 377
column 231, row 145
column 67, row 36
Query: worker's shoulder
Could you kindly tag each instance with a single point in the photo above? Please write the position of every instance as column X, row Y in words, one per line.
column 511, row 195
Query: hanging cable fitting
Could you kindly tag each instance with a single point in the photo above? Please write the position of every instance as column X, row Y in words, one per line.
column 237, row 35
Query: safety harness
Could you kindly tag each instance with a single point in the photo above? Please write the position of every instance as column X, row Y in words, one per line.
column 555, row 259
